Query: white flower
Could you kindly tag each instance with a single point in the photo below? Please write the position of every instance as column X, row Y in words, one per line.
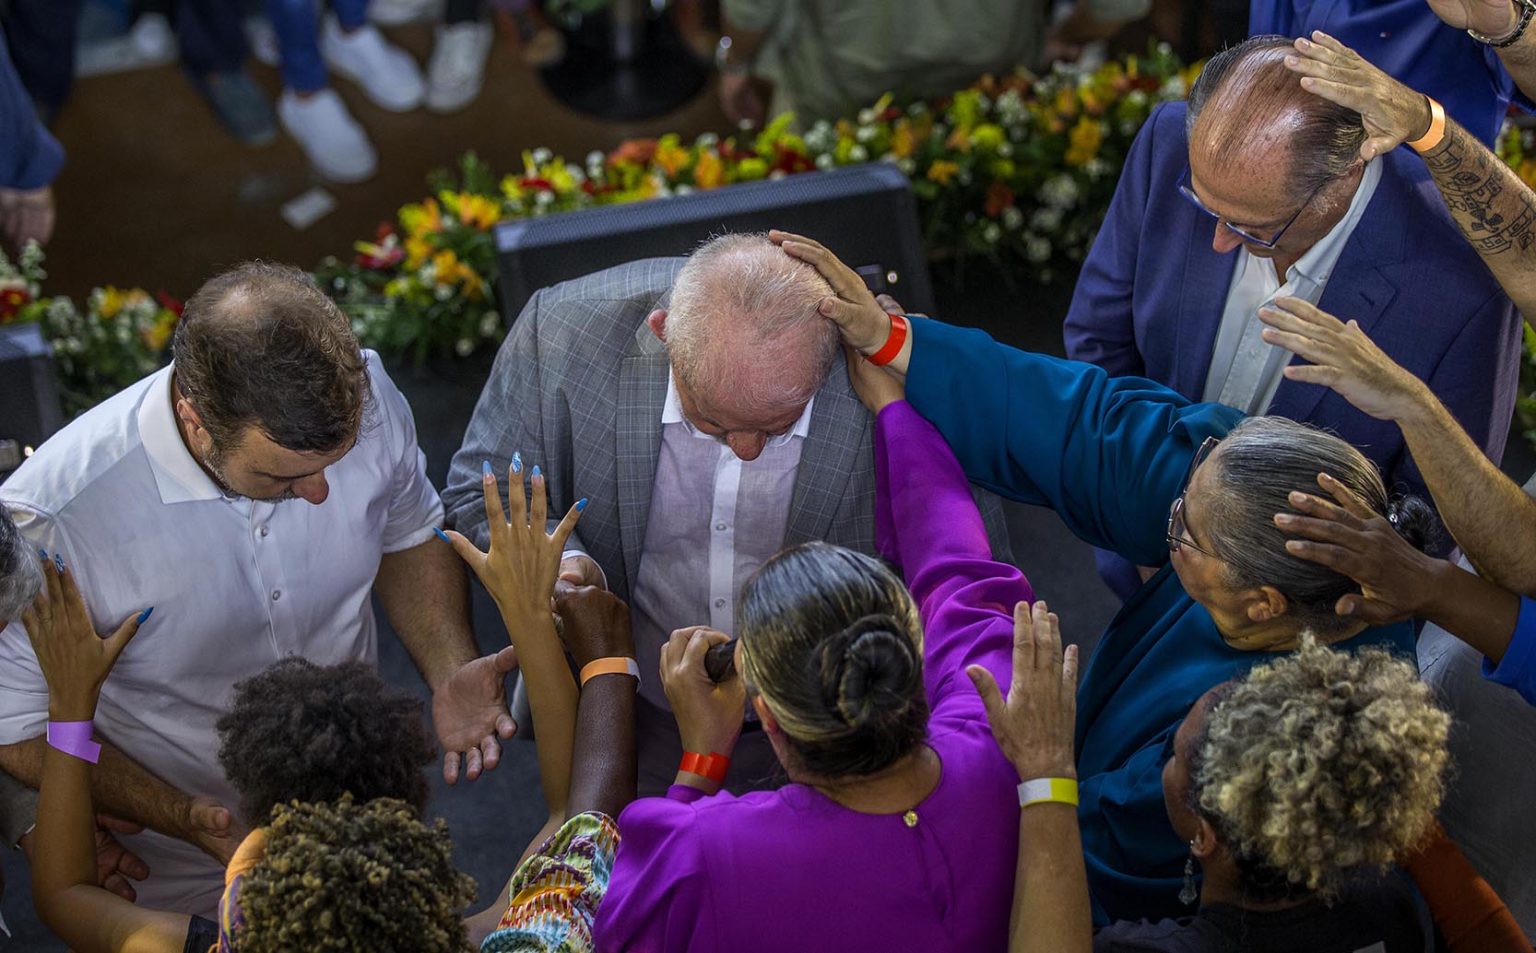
column 1059, row 191
column 1037, row 249
column 443, row 292
column 596, row 158
column 449, row 221
column 1005, row 149
column 777, row 174
column 1097, row 168
column 1010, row 108
column 824, row 161
column 991, row 233
column 1046, row 220
column 542, row 155
column 821, row 137
column 867, row 116
column 358, row 327
column 1136, row 97
column 488, row 324
column 1012, row 218
column 858, row 154
column 464, row 347
column 543, row 198
column 683, row 189
column 866, row 133
column 707, row 140
column 907, row 165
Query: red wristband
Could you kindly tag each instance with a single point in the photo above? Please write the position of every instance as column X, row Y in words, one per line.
column 893, row 343
column 712, row 766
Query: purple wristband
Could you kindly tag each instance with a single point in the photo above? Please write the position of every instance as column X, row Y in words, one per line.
column 74, row 738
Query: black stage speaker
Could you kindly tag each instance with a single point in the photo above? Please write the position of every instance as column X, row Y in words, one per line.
column 29, row 394
column 865, row 214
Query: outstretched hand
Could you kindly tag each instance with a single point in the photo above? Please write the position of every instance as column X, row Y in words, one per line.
column 519, row 570
column 1034, row 725
column 1347, row 536
column 1342, row 358
column 877, row 387
column 1393, row 114
column 74, row 659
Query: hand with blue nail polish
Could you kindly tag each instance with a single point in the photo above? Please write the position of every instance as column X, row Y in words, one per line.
column 517, row 462
column 74, row 659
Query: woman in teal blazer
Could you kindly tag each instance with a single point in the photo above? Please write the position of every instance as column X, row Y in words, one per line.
column 1133, row 467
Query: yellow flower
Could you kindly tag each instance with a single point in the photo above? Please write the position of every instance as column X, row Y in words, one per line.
column 670, row 156
column 708, row 171
column 445, row 265
column 1066, row 103
column 477, row 211
column 903, row 142
column 157, row 334
column 1084, row 141
column 417, row 251
column 423, row 219
column 988, row 136
column 942, row 171
column 750, row 170
column 111, row 303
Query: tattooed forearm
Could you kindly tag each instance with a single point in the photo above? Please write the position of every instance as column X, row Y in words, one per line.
column 1495, row 210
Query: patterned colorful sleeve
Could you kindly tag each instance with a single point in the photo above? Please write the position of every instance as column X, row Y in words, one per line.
column 553, row 896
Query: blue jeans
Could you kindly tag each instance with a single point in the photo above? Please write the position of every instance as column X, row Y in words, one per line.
column 297, row 25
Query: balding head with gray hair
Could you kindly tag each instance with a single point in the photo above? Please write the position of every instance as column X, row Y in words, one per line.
column 1248, row 112
column 20, row 577
column 743, row 329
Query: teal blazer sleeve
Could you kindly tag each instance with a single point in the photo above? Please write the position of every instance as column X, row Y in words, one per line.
column 1107, row 454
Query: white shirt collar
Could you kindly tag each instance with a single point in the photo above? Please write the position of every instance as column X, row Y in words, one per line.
column 178, row 476
column 1317, row 264
column 672, row 413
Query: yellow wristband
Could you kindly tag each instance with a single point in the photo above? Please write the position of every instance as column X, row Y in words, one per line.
column 1048, row 791
column 1436, row 131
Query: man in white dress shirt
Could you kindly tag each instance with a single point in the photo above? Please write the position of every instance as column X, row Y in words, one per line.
column 255, row 493
column 701, row 405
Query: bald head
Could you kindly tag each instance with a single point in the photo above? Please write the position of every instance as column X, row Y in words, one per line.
column 743, row 330
column 1249, row 119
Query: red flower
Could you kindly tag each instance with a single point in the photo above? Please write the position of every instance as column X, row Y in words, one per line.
column 543, row 184
column 11, row 302
column 638, row 151
column 999, row 197
column 380, row 257
column 791, row 162
column 169, row 303
column 383, row 232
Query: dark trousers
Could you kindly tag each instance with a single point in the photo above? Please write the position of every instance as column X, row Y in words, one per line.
column 42, row 35
column 464, row 11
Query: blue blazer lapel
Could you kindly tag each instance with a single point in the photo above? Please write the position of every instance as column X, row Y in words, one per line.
column 1202, row 297
column 1358, row 289
column 637, row 438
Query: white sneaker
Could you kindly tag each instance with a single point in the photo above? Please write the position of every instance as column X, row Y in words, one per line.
column 386, row 73
column 398, row 12
column 331, row 139
column 457, row 70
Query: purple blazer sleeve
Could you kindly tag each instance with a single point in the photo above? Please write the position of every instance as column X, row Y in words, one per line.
column 30, row 157
column 926, row 522
column 1100, row 326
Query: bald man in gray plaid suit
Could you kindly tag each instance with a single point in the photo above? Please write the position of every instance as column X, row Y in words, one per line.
column 702, row 406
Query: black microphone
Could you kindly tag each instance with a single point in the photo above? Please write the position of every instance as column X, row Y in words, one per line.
column 720, row 662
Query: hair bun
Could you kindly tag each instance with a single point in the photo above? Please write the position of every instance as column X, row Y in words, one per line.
column 870, row 672
column 1415, row 521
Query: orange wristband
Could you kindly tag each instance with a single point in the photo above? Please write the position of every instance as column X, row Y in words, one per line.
column 712, row 766
column 1436, row 131
column 619, row 665
column 893, row 343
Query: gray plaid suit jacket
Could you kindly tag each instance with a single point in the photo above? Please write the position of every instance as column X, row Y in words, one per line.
column 578, row 389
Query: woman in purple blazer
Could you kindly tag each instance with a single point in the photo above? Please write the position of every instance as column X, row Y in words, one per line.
column 896, row 829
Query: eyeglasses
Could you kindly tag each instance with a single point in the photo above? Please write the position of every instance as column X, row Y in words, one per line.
column 1187, row 187
column 1177, row 529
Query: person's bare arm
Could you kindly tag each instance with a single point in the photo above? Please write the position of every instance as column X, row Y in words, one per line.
column 123, row 788
column 1494, row 209
column 1034, row 727
column 1495, row 18
column 1491, row 519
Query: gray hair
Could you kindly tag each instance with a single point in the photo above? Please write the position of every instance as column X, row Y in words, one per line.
column 20, row 577
column 1259, row 464
column 1255, row 94
column 743, row 282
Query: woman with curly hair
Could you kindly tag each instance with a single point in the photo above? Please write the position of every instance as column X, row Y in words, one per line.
column 361, row 872
column 1296, row 787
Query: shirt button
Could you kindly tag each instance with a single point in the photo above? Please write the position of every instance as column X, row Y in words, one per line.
column 720, row 527
column 264, row 531
column 719, row 603
column 277, row 594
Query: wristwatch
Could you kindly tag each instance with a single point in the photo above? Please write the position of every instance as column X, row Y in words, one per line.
column 1526, row 9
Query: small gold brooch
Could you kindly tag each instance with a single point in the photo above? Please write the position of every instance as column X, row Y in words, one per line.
column 910, row 818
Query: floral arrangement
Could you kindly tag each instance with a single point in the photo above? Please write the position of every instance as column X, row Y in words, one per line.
column 1017, row 169
column 120, row 336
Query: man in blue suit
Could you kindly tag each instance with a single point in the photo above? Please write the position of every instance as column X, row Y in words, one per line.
column 1256, row 189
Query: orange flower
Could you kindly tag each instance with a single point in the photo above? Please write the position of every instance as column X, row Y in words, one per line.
column 708, row 171
column 1084, row 141
column 638, row 151
column 942, row 171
